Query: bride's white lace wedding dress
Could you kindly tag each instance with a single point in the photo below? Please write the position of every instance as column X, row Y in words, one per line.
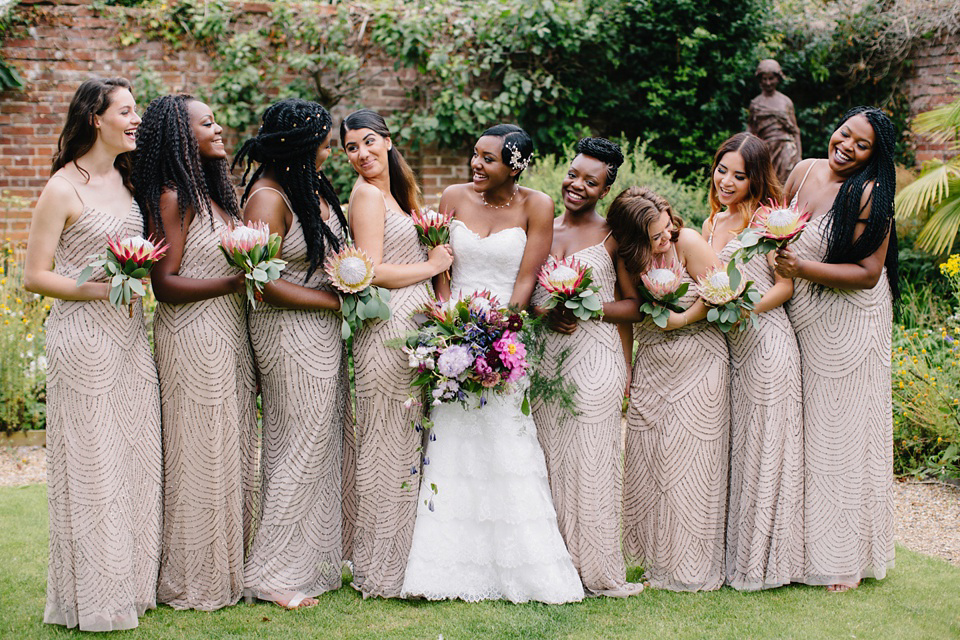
column 492, row 532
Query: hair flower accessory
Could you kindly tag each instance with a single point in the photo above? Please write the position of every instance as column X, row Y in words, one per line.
column 517, row 162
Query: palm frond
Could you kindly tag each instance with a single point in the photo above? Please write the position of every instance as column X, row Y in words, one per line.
column 939, row 233
column 933, row 186
column 941, row 124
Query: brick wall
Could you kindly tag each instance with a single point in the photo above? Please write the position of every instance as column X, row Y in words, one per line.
column 935, row 80
column 70, row 41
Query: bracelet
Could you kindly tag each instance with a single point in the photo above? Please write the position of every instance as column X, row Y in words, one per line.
column 684, row 316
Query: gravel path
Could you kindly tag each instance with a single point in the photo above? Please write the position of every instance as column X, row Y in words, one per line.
column 927, row 513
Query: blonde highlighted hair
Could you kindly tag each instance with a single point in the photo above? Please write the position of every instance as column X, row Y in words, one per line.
column 764, row 184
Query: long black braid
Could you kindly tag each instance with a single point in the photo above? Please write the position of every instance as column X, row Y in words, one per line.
column 290, row 133
column 167, row 157
column 847, row 209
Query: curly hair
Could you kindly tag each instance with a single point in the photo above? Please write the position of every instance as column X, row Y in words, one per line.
column 846, row 210
column 290, row 133
column 92, row 98
column 606, row 152
column 630, row 215
column 763, row 182
column 403, row 184
column 167, row 157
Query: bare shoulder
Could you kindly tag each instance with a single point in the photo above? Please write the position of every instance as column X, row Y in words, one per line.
column 690, row 240
column 456, row 192
column 536, row 198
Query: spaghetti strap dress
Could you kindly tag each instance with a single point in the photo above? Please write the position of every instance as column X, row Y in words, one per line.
column 297, row 549
column 104, row 468
column 583, row 451
column 210, row 434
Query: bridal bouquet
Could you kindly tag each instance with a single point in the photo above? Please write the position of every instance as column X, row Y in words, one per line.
column 570, row 284
column 467, row 346
column 728, row 296
column 772, row 227
column 127, row 262
column 433, row 229
column 253, row 249
column 351, row 271
column 661, row 289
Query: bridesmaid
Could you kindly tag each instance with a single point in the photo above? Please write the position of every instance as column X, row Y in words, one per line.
column 385, row 442
column 845, row 265
column 103, row 403
column 297, row 551
column 678, row 419
column 583, row 451
column 207, row 386
column 765, row 514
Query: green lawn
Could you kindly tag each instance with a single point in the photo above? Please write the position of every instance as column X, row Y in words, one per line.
column 919, row 599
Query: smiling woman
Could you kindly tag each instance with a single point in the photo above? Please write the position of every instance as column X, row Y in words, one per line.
column 103, row 414
column 203, row 356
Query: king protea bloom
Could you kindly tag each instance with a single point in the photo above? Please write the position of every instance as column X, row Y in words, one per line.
column 782, row 224
column 136, row 249
column 244, row 237
column 662, row 280
column 433, row 228
column 715, row 287
column 562, row 276
column 350, row 270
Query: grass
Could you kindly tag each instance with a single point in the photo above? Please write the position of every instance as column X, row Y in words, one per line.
column 919, row 599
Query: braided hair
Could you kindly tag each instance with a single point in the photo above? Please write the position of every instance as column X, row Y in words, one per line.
column 879, row 169
column 606, row 152
column 92, row 98
column 168, row 157
column 290, row 133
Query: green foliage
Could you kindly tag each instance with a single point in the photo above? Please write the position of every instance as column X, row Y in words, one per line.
column 147, row 84
column 9, row 78
column 926, row 380
column 935, row 195
column 638, row 169
column 22, row 337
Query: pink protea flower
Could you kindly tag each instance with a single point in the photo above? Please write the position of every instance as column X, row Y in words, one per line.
column 244, row 237
column 512, row 354
column 779, row 223
column 141, row 251
column 715, row 286
column 350, row 270
column 433, row 228
column 561, row 276
column 663, row 279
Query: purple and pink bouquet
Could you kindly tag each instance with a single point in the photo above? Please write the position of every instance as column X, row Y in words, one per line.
column 570, row 285
column 253, row 249
column 471, row 345
column 127, row 262
column 772, row 227
column 662, row 287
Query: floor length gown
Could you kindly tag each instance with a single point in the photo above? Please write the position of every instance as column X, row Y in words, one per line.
column 491, row 532
column 210, row 436
column 385, row 443
column 104, row 468
column 583, row 451
column 765, row 512
column 844, row 337
column 297, row 549
column 677, row 454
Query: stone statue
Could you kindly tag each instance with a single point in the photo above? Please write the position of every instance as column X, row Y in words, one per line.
column 772, row 119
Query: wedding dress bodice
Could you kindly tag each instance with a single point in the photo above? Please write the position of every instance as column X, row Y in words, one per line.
column 490, row 263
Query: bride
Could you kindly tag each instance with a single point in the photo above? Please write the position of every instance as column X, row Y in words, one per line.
column 490, row 532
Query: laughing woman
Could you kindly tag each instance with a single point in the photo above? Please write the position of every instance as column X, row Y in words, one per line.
column 845, row 267
column 103, row 404
column 297, row 551
column 583, row 451
column 386, row 446
column 203, row 355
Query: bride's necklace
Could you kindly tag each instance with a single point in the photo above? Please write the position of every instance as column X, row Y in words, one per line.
column 483, row 196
